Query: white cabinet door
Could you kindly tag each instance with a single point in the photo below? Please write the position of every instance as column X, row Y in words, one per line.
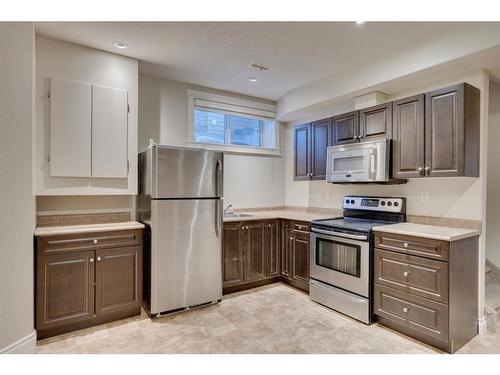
column 109, row 132
column 70, row 128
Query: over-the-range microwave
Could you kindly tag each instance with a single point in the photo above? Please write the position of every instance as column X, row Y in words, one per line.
column 359, row 162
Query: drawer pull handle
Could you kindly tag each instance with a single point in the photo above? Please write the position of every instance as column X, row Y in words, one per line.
column 235, row 259
column 98, row 259
column 405, row 245
column 406, row 273
column 406, row 309
column 95, row 242
column 91, row 260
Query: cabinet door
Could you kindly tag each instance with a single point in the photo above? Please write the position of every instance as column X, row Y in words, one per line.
column 64, row 289
column 109, row 132
column 320, row 138
column 272, row 247
column 285, row 248
column 70, row 128
column 345, row 128
column 254, row 263
column 232, row 259
column 444, row 132
column 302, row 154
column 409, row 137
column 376, row 122
column 118, row 281
column 300, row 258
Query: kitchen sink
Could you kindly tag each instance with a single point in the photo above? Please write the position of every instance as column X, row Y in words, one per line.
column 236, row 215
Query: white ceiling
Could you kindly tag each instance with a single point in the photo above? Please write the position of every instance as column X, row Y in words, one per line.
column 217, row 54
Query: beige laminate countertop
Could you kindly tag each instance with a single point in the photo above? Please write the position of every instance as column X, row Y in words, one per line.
column 428, row 231
column 299, row 215
column 87, row 228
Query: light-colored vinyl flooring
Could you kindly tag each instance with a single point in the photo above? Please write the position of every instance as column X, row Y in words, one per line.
column 271, row 319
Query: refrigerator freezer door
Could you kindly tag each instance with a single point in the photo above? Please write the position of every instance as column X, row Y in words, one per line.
column 186, row 173
column 186, row 253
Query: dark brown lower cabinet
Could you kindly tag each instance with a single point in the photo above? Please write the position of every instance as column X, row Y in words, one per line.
column 258, row 252
column 84, row 280
column 427, row 288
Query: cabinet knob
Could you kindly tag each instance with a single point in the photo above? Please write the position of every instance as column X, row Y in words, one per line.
column 95, row 241
column 406, row 309
column 291, row 238
column 420, row 171
column 235, row 259
column 91, row 260
column 98, row 259
column 405, row 245
column 406, row 273
column 427, row 171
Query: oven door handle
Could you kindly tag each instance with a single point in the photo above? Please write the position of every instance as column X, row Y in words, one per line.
column 340, row 234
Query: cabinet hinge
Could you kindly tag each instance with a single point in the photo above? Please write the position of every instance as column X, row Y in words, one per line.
column 48, row 158
column 128, row 108
column 128, row 167
column 48, row 94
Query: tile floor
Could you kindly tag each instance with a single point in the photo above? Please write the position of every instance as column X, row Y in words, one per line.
column 271, row 319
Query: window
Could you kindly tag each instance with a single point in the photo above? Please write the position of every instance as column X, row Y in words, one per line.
column 232, row 123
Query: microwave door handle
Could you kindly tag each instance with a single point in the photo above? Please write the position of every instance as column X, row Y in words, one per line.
column 373, row 163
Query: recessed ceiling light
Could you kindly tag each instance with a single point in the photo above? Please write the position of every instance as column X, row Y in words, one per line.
column 121, row 45
column 253, row 79
column 360, row 22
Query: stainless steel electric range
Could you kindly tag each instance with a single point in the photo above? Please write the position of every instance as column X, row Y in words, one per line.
column 342, row 254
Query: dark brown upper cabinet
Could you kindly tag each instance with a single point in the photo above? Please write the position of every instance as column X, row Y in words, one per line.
column 345, row 128
column 409, row 137
column 311, row 142
column 375, row 122
column 437, row 134
column 452, row 131
column 320, row 135
column 302, row 155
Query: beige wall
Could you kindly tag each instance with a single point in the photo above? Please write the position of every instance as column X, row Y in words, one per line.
column 17, row 216
column 493, row 186
column 249, row 181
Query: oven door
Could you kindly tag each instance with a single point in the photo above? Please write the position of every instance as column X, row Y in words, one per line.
column 341, row 260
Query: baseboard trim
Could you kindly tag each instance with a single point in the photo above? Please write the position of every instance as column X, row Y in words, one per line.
column 25, row 345
column 481, row 326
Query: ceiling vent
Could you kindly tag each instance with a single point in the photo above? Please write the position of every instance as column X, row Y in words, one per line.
column 262, row 68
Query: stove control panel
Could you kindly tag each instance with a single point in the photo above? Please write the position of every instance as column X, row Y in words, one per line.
column 386, row 204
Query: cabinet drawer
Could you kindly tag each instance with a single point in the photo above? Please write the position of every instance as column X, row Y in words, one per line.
column 87, row 241
column 415, row 275
column 304, row 227
column 424, row 247
column 418, row 314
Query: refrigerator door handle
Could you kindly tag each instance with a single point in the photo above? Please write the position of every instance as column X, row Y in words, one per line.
column 218, row 217
column 218, row 178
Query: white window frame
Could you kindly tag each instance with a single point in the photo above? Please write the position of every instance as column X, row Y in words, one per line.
column 236, row 106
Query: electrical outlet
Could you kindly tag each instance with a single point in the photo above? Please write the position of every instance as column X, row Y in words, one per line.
column 329, row 195
column 424, row 197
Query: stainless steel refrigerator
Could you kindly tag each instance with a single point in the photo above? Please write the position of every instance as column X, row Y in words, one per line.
column 180, row 202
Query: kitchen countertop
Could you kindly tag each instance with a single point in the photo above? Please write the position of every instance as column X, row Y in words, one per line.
column 86, row 228
column 295, row 214
column 428, row 231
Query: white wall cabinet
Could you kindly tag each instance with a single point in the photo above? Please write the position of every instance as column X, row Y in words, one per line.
column 109, row 132
column 88, row 130
column 70, row 128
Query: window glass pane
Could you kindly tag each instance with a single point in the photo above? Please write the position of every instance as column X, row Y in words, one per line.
column 245, row 131
column 209, row 126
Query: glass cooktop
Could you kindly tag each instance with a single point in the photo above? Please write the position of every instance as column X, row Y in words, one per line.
column 350, row 224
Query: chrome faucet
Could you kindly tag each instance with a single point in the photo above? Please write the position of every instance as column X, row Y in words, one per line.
column 228, row 209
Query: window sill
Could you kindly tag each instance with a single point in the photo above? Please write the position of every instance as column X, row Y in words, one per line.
column 235, row 150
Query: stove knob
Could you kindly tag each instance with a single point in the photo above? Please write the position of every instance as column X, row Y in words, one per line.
column 382, row 203
column 347, row 201
column 389, row 203
column 352, row 201
column 396, row 204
